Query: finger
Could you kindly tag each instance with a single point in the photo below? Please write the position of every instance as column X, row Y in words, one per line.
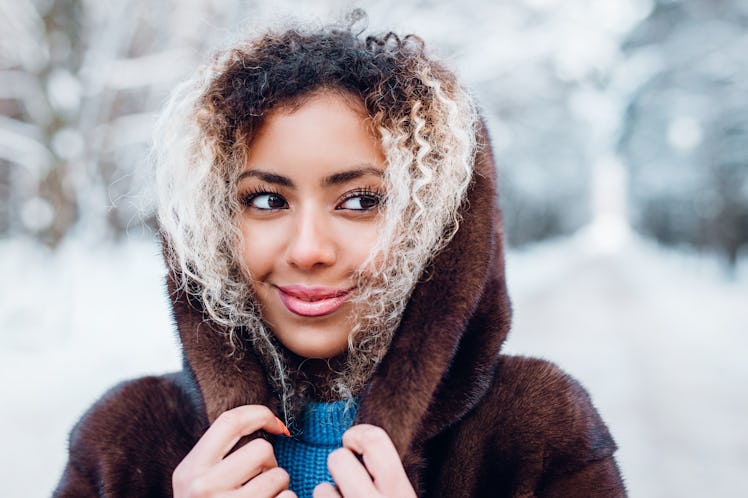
column 245, row 463
column 325, row 490
column 228, row 428
column 351, row 477
column 380, row 458
column 270, row 483
column 286, row 494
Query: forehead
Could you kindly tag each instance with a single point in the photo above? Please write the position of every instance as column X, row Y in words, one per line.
column 322, row 110
column 324, row 134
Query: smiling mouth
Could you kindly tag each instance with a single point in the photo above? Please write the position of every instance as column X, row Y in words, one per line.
column 312, row 301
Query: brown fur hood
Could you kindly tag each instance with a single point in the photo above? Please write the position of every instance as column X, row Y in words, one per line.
column 443, row 356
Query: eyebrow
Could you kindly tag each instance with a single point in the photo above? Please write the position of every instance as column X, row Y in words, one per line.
column 266, row 177
column 346, row 176
column 334, row 179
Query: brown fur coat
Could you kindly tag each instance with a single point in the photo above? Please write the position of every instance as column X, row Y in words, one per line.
column 466, row 420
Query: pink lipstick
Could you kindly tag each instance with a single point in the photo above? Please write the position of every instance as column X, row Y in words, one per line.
column 312, row 301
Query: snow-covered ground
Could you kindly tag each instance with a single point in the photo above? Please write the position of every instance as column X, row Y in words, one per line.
column 657, row 337
column 660, row 341
column 71, row 325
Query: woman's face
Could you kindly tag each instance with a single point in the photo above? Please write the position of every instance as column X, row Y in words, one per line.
column 310, row 192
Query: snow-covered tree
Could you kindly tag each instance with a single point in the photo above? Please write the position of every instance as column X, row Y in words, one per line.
column 686, row 135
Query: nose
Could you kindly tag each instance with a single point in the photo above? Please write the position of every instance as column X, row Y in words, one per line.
column 312, row 244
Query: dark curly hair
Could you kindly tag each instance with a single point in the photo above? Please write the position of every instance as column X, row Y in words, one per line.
column 285, row 69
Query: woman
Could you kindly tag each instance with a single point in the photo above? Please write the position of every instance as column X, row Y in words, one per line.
column 330, row 225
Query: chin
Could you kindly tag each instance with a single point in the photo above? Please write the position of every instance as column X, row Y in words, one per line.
column 315, row 340
column 307, row 345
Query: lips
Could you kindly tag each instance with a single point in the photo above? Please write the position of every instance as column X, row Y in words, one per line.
column 312, row 301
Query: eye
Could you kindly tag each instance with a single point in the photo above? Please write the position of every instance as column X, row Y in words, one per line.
column 265, row 201
column 361, row 201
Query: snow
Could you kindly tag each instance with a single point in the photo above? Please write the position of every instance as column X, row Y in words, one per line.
column 72, row 324
column 658, row 338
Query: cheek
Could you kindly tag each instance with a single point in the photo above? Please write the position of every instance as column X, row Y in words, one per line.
column 360, row 243
column 259, row 250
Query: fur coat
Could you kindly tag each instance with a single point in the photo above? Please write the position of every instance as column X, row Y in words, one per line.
column 466, row 420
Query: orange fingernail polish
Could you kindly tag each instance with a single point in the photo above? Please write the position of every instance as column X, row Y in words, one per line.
column 283, row 427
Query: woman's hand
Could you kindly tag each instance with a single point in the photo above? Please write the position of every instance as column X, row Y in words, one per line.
column 249, row 471
column 381, row 474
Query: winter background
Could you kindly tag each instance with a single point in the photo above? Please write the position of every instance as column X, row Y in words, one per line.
column 621, row 131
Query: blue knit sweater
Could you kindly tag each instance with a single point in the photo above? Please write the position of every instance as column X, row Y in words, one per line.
column 304, row 455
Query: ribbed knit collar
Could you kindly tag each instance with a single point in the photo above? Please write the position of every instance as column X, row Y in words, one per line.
column 324, row 423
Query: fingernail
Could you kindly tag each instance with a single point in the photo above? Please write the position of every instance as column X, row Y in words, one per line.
column 283, row 427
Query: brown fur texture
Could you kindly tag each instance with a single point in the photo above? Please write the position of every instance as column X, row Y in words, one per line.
column 466, row 420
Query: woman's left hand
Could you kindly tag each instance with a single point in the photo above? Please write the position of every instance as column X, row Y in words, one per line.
column 381, row 474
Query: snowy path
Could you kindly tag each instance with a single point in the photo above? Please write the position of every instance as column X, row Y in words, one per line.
column 658, row 339
column 661, row 345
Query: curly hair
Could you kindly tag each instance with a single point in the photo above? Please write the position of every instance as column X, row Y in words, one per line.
column 425, row 122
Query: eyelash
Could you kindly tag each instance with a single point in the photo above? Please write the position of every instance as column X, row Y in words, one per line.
column 248, row 197
column 364, row 192
column 255, row 192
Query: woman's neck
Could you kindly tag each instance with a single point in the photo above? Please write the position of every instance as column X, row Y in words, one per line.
column 316, row 377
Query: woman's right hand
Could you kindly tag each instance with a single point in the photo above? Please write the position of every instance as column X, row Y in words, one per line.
column 251, row 470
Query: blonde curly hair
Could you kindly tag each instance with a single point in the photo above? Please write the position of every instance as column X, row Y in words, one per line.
column 426, row 124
